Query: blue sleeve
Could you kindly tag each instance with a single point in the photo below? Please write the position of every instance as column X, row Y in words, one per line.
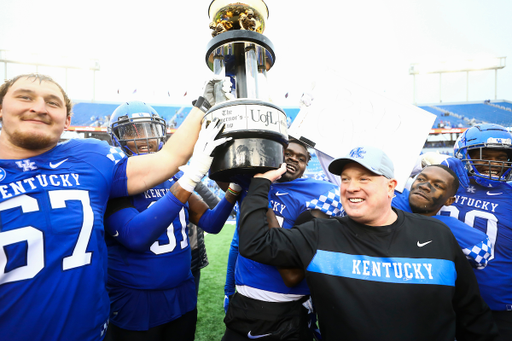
column 458, row 167
column 108, row 161
column 401, row 201
column 212, row 221
column 229, row 286
column 328, row 202
column 474, row 243
column 120, row 183
column 138, row 230
column 479, row 255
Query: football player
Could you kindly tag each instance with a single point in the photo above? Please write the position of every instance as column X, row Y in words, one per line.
column 486, row 205
column 52, row 202
column 434, row 188
column 151, row 287
column 264, row 303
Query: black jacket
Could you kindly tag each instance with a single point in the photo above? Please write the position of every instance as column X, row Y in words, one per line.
column 406, row 281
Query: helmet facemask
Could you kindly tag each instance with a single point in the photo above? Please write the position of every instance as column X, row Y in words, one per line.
column 139, row 135
column 486, row 151
column 485, row 169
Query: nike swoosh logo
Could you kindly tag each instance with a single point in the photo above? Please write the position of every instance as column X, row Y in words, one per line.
column 490, row 193
column 57, row 164
column 252, row 337
column 423, row 244
column 281, row 193
column 116, row 235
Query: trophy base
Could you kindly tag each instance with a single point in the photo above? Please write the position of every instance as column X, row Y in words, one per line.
column 259, row 137
column 239, row 159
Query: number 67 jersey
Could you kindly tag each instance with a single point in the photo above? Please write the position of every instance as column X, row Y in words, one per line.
column 53, row 255
column 489, row 209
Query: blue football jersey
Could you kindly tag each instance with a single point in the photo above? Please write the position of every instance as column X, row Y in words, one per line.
column 156, row 286
column 490, row 210
column 53, row 254
column 474, row 243
column 288, row 200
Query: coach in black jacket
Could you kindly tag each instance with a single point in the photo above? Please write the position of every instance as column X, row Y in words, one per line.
column 378, row 274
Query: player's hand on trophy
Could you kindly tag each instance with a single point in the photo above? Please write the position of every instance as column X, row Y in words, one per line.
column 201, row 159
column 273, row 175
column 217, row 89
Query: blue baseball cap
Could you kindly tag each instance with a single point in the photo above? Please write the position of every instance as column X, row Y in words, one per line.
column 371, row 158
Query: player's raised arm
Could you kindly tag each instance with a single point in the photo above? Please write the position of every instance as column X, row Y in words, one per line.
column 146, row 171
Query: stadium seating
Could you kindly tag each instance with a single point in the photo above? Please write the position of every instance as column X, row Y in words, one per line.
column 503, row 104
column 87, row 114
column 443, row 120
column 481, row 112
column 468, row 114
column 96, row 114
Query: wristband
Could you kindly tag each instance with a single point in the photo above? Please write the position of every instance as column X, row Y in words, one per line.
column 202, row 103
column 233, row 192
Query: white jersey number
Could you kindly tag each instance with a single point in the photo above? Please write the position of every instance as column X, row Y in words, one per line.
column 35, row 237
column 492, row 222
column 157, row 248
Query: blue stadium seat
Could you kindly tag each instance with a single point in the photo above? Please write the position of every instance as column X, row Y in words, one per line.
column 88, row 114
column 481, row 112
column 453, row 121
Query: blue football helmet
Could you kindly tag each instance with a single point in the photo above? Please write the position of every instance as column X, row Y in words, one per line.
column 137, row 128
column 473, row 141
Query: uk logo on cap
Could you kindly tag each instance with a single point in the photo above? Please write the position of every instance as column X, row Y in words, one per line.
column 357, row 153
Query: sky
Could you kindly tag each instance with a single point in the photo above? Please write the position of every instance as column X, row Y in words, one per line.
column 158, row 47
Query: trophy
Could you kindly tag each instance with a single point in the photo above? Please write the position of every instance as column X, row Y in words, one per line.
column 258, row 128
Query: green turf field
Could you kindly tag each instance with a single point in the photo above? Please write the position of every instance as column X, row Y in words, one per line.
column 210, row 325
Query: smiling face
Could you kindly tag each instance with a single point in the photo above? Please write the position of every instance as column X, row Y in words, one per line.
column 491, row 162
column 296, row 158
column 34, row 116
column 432, row 189
column 365, row 196
column 138, row 136
column 144, row 146
column 139, row 140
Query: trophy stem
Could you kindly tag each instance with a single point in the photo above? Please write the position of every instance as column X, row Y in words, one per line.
column 241, row 82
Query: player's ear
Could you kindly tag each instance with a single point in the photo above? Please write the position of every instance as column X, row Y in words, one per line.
column 450, row 201
column 68, row 122
column 392, row 183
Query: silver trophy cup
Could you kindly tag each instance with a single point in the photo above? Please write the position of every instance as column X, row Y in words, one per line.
column 240, row 51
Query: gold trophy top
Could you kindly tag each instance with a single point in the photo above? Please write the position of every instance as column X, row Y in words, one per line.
column 228, row 15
